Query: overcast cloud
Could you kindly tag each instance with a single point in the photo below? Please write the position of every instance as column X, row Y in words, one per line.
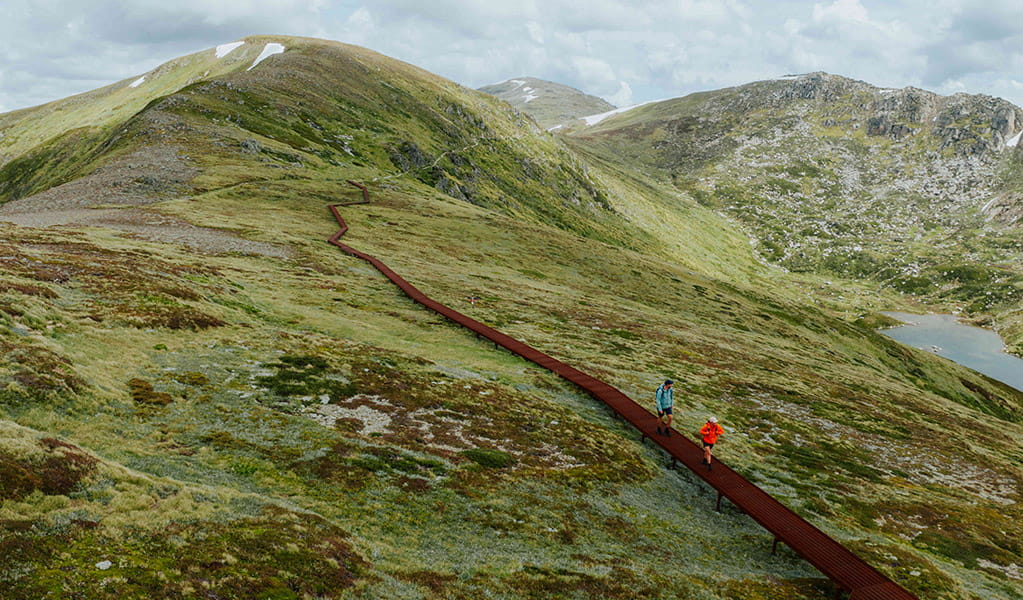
column 625, row 51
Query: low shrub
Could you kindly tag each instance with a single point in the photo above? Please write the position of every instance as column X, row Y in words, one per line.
column 490, row 458
column 142, row 392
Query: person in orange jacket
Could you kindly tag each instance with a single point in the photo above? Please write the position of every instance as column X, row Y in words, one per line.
column 710, row 433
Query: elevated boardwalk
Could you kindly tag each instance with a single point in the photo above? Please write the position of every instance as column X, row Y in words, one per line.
column 849, row 573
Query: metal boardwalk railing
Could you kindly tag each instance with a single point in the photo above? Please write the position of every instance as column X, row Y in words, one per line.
column 849, row 573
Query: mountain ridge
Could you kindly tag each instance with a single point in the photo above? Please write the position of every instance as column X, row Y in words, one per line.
column 891, row 108
column 835, row 175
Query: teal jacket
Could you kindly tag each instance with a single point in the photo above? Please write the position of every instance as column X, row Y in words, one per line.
column 665, row 397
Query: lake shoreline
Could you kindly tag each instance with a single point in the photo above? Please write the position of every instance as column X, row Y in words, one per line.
column 954, row 338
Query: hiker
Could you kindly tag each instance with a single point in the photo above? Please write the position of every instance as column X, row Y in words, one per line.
column 710, row 433
column 665, row 401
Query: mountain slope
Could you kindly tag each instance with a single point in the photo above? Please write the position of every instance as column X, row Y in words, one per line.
column 282, row 404
column 435, row 139
column 839, row 177
column 551, row 104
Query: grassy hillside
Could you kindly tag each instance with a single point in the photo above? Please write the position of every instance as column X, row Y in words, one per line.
column 282, row 423
column 58, row 142
column 401, row 120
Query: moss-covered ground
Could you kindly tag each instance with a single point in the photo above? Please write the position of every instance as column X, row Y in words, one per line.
column 179, row 424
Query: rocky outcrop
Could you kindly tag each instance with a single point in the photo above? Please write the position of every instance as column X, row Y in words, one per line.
column 450, row 186
column 968, row 125
column 407, row 156
column 1006, row 209
column 964, row 124
column 908, row 105
column 837, row 175
column 975, row 124
column 899, row 113
column 821, row 87
column 883, row 125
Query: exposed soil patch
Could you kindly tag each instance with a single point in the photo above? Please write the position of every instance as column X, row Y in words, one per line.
column 1012, row 571
column 151, row 226
column 140, row 179
column 143, row 177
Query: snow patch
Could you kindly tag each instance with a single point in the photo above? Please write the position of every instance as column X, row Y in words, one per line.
column 529, row 94
column 555, row 128
column 1014, row 140
column 787, row 77
column 225, row 49
column 139, row 81
column 594, row 119
column 268, row 51
column 989, row 202
column 518, row 82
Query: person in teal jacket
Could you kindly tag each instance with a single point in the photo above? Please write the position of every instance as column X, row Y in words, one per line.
column 665, row 402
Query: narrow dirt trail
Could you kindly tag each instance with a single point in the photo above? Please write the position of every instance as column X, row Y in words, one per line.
column 850, row 574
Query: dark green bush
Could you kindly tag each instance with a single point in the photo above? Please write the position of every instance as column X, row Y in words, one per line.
column 490, row 458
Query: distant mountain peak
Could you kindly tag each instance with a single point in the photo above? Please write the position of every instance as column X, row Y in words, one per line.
column 521, row 86
column 551, row 104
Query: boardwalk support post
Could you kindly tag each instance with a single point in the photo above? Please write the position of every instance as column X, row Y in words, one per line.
column 774, row 547
column 719, row 502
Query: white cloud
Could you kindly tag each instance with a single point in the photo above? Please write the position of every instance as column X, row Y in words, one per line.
column 361, row 18
column 844, row 37
column 953, row 86
column 55, row 48
column 623, row 97
column 593, row 69
column 980, row 42
column 535, row 32
column 656, row 48
column 840, row 10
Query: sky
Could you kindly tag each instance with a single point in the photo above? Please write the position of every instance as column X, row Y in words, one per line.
column 626, row 51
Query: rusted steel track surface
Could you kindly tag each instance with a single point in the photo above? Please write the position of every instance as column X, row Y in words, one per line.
column 850, row 573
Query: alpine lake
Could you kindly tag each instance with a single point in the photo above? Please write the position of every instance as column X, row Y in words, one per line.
column 974, row 347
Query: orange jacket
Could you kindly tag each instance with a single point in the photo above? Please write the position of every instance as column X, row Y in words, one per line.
column 710, row 432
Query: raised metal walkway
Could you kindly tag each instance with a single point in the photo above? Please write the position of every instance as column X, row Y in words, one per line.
column 849, row 573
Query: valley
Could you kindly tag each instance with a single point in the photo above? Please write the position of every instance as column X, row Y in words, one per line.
column 834, row 176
